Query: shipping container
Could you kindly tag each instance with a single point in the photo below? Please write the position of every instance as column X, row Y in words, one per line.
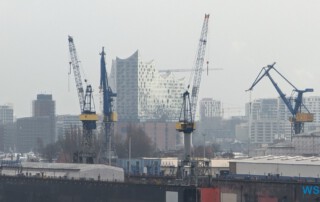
column 210, row 195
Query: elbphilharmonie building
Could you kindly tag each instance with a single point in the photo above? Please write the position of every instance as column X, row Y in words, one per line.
column 143, row 93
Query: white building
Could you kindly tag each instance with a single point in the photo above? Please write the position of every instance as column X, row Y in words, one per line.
column 142, row 92
column 313, row 105
column 209, row 108
column 296, row 166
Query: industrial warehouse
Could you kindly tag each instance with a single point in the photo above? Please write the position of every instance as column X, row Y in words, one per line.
column 64, row 170
column 298, row 166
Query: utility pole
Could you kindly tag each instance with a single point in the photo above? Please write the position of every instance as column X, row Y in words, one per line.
column 129, row 155
column 204, row 146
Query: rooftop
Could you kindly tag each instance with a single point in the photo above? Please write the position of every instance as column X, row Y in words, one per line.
column 291, row 160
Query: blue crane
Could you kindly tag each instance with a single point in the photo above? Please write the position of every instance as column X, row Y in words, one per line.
column 109, row 116
column 298, row 117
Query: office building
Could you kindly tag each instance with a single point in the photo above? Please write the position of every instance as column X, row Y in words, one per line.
column 37, row 131
column 33, row 133
column 43, row 106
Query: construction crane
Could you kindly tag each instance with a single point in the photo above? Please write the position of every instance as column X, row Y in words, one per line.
column 88, row 115
column 298, row 117
column 186, row 120
column 109, row 116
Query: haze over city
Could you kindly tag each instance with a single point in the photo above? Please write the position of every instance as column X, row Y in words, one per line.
column 243, row 37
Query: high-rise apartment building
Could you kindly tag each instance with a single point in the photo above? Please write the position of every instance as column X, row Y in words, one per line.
column 7, row 128
column 6, row 114
column 143, row 93
column 209, row 108
column 210, row 119
column 269, row 120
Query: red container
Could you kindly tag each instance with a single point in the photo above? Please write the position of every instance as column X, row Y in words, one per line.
column 210, row 195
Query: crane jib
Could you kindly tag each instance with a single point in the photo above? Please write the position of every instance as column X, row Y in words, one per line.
column 298, row 116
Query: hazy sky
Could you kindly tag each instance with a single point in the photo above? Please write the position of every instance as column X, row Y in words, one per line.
column 244, row 36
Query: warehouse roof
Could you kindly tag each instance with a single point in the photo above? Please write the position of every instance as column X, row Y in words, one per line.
column 295, row 160
column 66, row 166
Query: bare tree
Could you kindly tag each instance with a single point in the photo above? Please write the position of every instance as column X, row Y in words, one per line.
column 141, row 144
column 210, row 150
column 69, row 144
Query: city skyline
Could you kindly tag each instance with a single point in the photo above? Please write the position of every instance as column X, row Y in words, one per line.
column 243, row 37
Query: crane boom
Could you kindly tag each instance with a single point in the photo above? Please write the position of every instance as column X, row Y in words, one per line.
column 199, row 65
column 76, row 70
column 298, row 118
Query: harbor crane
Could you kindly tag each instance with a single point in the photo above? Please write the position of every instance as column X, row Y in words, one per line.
column 88, row 115
column 186, row 120
column 298, row 116
column 109, row 116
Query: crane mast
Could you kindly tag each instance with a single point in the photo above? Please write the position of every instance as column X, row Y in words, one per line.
column 298, row 117
column 109, row 116
column 88, row 115
column 188, row 110
column 198, row 67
